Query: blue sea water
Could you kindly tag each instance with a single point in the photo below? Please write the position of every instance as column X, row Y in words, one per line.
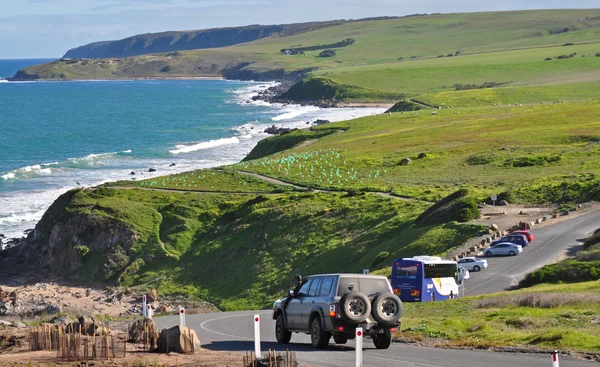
column 55, row 136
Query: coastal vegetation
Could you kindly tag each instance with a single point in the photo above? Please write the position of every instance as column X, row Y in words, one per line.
column 543, row 317
column 459, row 60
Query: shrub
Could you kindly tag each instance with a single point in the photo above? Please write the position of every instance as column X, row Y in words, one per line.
column 327, row 53
column 380, row 258
column 568, row 271
column 422, row 155
column 568, row 44
column 509, row 196
column 597, row 54
column 480, row 159
column 82, row 251
column 548, row 58
column 454, row 207
column 166, row 69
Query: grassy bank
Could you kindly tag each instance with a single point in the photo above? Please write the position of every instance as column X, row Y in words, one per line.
column 539, row 153
column 242, row 251
column 545, row 316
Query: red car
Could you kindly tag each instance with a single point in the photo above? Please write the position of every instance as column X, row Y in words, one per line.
column 527, row 234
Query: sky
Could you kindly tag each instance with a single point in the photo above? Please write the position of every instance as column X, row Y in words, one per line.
column 48, row 28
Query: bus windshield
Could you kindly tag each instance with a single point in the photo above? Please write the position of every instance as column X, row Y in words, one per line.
column 440, row 270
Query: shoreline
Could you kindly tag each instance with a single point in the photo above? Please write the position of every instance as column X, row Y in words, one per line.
column 252, row 87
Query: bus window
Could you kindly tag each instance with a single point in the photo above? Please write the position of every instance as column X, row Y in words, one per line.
column 440, row 270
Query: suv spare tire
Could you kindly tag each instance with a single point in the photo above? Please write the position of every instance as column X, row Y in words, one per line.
column 387, row 308
column 355, row 307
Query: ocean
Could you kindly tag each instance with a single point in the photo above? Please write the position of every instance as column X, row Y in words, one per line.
column 55, row 136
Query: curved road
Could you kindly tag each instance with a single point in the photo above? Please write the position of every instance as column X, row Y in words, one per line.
column 233, row 331
column 552, row 242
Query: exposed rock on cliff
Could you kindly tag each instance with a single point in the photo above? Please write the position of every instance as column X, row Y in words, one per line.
column 64, row 239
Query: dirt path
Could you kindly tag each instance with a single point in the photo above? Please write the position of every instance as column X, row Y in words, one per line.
column 267, row 179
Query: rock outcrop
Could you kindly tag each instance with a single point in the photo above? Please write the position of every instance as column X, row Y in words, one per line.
column 143, row 330
column 178, row 339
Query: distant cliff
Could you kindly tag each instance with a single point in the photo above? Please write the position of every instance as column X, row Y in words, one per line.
column 151, row 43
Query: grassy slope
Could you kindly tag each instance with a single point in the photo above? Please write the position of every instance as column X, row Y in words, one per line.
column 497, row 46
column 206, row 180
column 545, row 316
column 483, row 144
column 242, row 251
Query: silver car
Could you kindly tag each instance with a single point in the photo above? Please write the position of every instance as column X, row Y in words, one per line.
column 504, row 248
column 473, row 263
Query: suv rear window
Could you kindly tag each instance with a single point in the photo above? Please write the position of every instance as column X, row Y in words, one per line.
column 326, row 286
column 365, row 285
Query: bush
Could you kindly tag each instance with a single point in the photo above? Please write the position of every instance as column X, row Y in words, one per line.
column 548, row 58
column 509, row 196
column 597, row 54
column 380, row 258
column 327, row 53
column 454, row 207
column 569, row 271
column 480, row 159
column 82, row 251
column 166, row 69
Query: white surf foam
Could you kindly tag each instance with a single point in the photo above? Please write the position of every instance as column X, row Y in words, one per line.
column 204, row 145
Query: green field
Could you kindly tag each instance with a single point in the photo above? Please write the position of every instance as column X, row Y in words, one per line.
column 415, row 56
column 495, row 149
column 544, row 317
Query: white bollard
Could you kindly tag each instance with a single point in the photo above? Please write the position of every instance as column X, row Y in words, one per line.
column 257, row 336
column 555, row 359
column 149, row 312
column 144, row 306
column 359, row 346
column 181, row 316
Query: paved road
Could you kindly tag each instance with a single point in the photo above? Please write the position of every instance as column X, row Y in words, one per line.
column 551, row 243
column 233, row 331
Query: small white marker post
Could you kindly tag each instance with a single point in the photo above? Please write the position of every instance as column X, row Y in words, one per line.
column 359, row 346
column 149, row 311
column 555, row 359
column 144, row 306
column 365, row 271
column 181, row 316
column 257, row 336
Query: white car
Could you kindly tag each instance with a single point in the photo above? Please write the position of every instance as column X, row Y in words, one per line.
column 473, row 263
column 504, row 248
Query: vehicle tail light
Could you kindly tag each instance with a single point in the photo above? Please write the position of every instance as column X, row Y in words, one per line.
column 340, row 328
column 332, row 312
column 393, row 330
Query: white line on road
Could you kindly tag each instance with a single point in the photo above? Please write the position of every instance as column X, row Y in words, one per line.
column 535, row 253
column 397, row 360
column 223, row 334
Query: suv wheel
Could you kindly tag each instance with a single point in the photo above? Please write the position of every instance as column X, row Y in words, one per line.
column 340, row 339
column 387, row 308
column 282, row 334
column 355, row 307
column 318, row 337
column 382, row 341
column 476, row 268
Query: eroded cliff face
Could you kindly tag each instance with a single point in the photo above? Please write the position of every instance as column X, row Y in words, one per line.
column 69, row 243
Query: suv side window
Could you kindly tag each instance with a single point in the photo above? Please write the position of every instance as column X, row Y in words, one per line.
column 326, row 286
column 315, row 287
column 303, row 291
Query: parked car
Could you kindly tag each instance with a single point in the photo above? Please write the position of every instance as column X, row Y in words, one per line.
column 335, row 305
column 473, row 263
column 529, row 235
column 517, row 239
column 504, row 248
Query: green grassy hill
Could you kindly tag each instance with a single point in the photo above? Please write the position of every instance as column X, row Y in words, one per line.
column 529, row 151
column 423, row 57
